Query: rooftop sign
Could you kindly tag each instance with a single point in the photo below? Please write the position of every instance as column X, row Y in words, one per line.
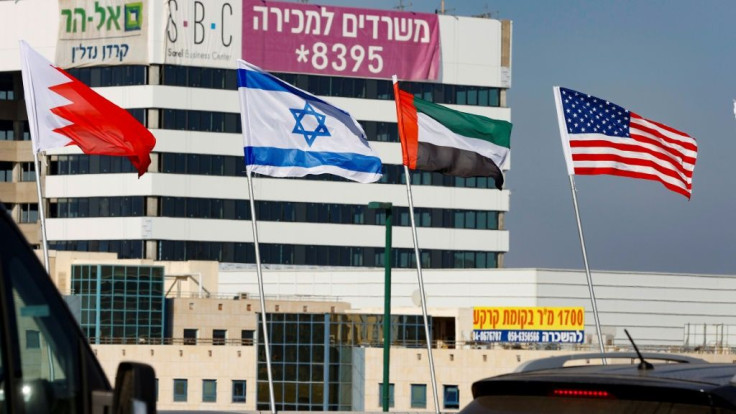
column 341, row 41
column 104, row 32
column 529, row 324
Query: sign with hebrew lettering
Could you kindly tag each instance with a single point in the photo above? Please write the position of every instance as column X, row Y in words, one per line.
column 203, row 33
column 341, row 41
column 529, row 324
column 103, row 32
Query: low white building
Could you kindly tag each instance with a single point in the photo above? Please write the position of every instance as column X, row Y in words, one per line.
column 658, row 309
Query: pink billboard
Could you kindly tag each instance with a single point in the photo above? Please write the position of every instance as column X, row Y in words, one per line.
column 342, row 41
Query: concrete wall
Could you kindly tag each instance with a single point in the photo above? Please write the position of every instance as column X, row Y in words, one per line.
column 459, row 367
column 656, row 308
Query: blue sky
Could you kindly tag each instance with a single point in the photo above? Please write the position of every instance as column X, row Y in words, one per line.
column 671, row 61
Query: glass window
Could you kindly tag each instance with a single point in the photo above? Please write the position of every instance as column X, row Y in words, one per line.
column 28, row 172
column 472, row 96
column 390, row 395
column 495, row 97
column 239, row 391
column 418, row 396
column 33, row 339
column 209, row 390
column 461, row 95
column 452, row 397
column 180, row 390
column 6, row 171
column 28, row 213
column 246, row 337
column 6, row 130
column 219, row 336
column 483, row 99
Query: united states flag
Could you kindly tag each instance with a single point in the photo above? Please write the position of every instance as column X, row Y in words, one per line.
column 600, row 137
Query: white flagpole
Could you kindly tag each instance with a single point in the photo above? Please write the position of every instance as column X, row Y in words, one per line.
column 421, row 290
column 418, row 257
column 266, row 344
column 587, row 270
column 28, row 91
column 570, row 170
column 41, row 212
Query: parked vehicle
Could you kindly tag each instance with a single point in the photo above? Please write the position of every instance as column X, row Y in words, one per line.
column 677, row 384
column 46, row 363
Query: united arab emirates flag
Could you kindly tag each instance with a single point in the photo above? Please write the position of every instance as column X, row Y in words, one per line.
column 436, row 138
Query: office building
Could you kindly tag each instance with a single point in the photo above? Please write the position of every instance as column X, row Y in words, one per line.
column 180, row 81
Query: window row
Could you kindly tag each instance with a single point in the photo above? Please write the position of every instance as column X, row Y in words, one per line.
column 134, row 206
column 219, row 337
column 418, row 396
column 324, row 213
column 124, row 75
column 7, row 92
column 119, row 273
column 120, row 317
column 367, row 330
column 132, row 291
column 322, row 255
column 231, row 252
column 209, row 121
column 128, row 206
column 8, row 131
column 90, row 164
column 233, row 166
column 362, row 88
column 417, row 393
column 126, row 249
column 203, row 164
column 28, row 212
column 6, row 171
column 27, row 171
column 209, row 390
column 132, row 334
column 206, row 121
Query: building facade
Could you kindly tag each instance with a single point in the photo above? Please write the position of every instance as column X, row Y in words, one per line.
column 192, row 204
column 121, row 302
column 325, row 328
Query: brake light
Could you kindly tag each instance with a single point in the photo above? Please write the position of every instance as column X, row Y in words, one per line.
column 581, row 393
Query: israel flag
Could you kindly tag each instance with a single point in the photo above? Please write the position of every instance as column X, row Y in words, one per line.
column 288, row 132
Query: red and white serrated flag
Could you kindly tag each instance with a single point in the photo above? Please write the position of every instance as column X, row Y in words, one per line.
column 63, row 111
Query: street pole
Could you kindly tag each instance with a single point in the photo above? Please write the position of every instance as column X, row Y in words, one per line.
column 388, row 208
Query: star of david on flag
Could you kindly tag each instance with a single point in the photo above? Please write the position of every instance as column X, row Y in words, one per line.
column 319, row 131
column 288, row 132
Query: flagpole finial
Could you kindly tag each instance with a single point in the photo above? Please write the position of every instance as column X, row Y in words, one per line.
column 394, row 78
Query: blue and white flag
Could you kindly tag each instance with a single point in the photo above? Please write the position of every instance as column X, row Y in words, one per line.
column 288, row 132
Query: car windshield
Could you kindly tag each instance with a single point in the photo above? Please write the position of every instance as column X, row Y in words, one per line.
column 45, row 357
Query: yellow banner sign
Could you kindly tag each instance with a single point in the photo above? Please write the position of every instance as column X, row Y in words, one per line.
column 532, row 318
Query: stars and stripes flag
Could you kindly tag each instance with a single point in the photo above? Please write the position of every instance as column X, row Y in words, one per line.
column 600, row 137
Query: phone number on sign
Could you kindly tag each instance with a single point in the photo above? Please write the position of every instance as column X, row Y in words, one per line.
column 340, row 57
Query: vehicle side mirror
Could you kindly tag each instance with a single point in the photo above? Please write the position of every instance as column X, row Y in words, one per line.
column 135, row 389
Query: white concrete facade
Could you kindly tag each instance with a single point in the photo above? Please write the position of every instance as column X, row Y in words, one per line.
column 658, row 309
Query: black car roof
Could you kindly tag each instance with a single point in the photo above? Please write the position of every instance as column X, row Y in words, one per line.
column 677, row 371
